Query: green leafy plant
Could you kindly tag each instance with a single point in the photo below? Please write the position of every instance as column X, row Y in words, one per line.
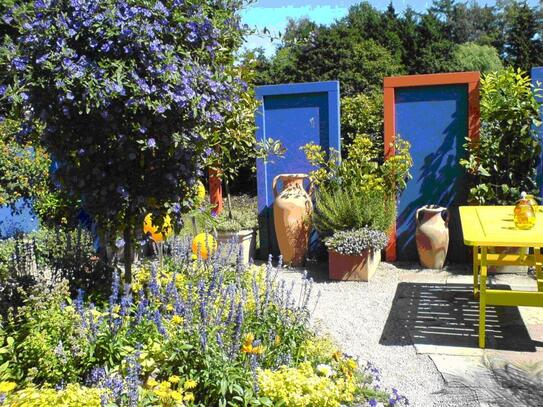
column 244, row 215
column 503, row 162
column 363, row 166
column 349, row 208
column 474, row 57
column 362, row 115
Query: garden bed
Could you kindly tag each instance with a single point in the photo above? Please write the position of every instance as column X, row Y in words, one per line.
column 190, row 333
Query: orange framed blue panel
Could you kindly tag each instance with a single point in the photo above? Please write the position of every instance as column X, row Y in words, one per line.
column 392, row 84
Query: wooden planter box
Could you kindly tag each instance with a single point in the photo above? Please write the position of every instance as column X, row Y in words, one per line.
column 353, row 268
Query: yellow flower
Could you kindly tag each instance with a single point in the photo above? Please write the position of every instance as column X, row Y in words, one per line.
column 177, row 320
column 258, row 350
column 200, row 193
column 165, row 386
column 151, row 382
column 247, row 348
column 336, row 356
column 188, row 396
column 351, row 364
column 248, row 338
column 277, row 340
column 176, row 395
column 6, row 387
column 169, row 307
column 174, row 379
column 190, row 384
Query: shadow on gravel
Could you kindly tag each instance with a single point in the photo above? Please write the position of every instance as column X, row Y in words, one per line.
column 448, row 315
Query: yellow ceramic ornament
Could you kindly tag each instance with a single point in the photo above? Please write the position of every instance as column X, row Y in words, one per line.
column 204, row 245
column 158, row 234
column 200, row 193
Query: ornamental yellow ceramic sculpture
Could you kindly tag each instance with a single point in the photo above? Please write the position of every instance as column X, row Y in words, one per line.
column 204, row 245
column 157, row 234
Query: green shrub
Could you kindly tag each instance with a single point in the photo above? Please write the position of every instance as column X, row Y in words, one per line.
column 504, row 161
column 474, row 57
column 7, row 247
column 244, row 215
column 204, row 333
column 362, row 115
column 363, row 167
column 348, row 208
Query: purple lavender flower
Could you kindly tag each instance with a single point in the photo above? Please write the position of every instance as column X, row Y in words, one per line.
column 119, row 243
column 151, row 143
column 19, row 63
column 156, row 317
column 132, row 379
column 126, row 300
column 176, row 207
column 78, row 303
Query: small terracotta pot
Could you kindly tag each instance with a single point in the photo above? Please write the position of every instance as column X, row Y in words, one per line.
column 292, row 211
column 432, row 236
column 353, row 268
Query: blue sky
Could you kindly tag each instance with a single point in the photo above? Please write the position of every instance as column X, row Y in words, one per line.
column 274, row 14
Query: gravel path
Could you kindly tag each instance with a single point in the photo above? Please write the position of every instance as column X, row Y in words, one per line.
column 355, row 315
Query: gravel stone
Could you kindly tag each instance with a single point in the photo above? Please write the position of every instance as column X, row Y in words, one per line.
column 355, row 314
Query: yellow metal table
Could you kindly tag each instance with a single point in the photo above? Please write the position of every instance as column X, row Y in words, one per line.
column 493, row 226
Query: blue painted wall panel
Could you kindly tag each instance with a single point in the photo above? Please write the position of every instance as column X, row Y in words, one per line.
column 22, row 221
column 434, row 119
column 295, row 114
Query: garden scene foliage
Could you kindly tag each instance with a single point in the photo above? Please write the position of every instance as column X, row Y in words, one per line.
column 190, row 333
column 112, row 115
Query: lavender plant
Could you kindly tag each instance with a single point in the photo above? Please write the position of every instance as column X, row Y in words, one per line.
column 202, row 331
column 356, row 242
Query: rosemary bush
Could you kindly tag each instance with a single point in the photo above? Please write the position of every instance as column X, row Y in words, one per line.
column 356, row 242
column 349, row 207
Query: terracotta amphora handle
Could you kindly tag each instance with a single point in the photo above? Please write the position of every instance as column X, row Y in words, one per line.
column 445, row 215
column 310, row 186
column 274, row 185
column 417, row 215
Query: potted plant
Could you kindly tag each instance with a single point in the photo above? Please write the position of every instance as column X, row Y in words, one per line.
column 355, row 254
column 354, row 221
column 238, row 226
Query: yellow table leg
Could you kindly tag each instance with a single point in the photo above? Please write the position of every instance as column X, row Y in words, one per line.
column 482, row 299
column 476, row 271
column 538, row 264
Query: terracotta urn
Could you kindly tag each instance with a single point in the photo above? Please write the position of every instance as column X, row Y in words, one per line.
column 353, row 268
column 432, row 236
column 292, row 211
